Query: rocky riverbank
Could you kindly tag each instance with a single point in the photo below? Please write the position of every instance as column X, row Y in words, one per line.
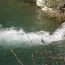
column 51, row 11
column 54, row 14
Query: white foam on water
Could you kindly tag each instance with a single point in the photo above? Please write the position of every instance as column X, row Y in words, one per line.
column 19, row 37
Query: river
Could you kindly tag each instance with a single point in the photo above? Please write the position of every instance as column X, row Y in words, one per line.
column 28, row 36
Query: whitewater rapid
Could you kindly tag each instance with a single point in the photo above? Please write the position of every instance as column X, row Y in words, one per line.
column 13, row 37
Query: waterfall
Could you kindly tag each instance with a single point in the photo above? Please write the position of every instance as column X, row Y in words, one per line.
column 12, row 37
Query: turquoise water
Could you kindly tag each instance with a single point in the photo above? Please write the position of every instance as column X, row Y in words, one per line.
column 22, row 28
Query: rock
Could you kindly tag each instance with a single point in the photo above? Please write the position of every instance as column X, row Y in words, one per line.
column 47, row 9
column 40, row 3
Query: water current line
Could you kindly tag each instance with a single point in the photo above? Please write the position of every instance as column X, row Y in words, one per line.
column 42, row 40
column 34, row 48
column 16, row 57
column 33, row 59
column 52, row 58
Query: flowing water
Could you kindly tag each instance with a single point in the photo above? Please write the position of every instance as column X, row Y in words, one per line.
column 28, row 36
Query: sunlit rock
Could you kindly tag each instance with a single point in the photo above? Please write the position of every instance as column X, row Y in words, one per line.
column 40, row 3
column 47, row 9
